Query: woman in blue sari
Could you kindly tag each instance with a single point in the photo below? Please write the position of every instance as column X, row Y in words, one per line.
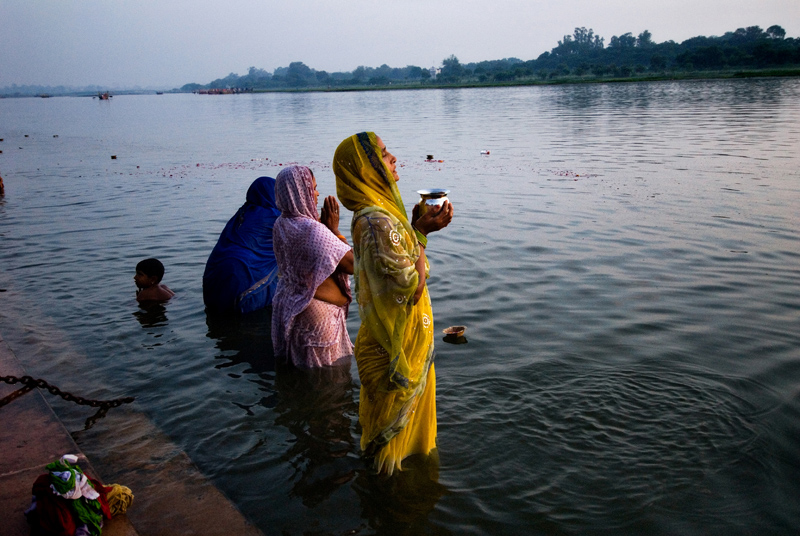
column 241, row 273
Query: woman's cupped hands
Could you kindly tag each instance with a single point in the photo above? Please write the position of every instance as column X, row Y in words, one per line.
column 434, row 219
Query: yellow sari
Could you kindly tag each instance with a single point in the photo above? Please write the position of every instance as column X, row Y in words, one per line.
column 394, row 346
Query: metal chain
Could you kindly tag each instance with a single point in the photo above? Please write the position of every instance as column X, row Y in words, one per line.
column 94, row 418
column 15, row 395
column 30, row 382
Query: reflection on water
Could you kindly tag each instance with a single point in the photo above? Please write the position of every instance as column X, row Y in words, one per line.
column 626, row 259
column 153, row 318
column 316, row 406
column 318, row 409
column 454, row 339
column 401, row 504
column 243, row 339
column 151, row 315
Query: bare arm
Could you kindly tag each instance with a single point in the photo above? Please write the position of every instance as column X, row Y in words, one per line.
column 347, row 264
column 432, row 220
column 329, row 291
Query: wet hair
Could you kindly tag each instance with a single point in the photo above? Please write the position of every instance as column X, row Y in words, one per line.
column 151, row 268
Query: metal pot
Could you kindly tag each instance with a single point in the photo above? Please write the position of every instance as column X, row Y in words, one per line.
column 433, row 197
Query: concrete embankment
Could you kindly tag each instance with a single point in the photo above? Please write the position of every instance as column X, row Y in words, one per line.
column 171, row 496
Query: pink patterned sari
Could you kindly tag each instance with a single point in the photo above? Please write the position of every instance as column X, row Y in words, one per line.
column 306, row 331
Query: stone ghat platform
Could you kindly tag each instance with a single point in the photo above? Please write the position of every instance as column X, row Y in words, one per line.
column 171, row 496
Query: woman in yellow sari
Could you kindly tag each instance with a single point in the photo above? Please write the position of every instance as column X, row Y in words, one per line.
column 394, row 346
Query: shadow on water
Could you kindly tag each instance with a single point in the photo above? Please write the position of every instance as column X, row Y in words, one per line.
column 243, row 339
column 318, row 409
column 404, row 502
column 151, row 315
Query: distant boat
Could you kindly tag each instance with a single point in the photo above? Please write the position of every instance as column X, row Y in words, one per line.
column 103, row 96
column 44, row 96
column 159, row 92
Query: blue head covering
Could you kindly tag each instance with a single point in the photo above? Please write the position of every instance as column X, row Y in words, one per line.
column 241, row 272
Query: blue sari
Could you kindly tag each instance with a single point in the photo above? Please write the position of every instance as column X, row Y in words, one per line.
column 241, row 273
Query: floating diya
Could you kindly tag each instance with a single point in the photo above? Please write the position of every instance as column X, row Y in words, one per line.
column 455, row 334
column 454, row 331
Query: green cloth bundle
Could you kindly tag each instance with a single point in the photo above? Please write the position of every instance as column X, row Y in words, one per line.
column 87, row 511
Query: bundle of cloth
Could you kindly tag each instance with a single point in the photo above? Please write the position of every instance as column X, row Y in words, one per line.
column 67, row 502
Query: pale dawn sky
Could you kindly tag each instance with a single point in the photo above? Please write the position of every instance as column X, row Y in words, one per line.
column 168, row 43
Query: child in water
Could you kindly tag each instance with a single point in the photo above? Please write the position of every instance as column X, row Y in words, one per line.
column 148, row 282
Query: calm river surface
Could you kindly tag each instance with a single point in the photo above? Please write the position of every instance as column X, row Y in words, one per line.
column 626, row 260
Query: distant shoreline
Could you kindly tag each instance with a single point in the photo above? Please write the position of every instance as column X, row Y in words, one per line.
column 565, row 80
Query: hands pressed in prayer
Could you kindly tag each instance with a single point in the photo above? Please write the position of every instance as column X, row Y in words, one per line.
column 330, row 214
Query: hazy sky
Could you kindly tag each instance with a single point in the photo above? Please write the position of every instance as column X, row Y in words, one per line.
column 168, row 43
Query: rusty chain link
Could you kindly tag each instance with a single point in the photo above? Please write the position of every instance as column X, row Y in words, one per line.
column 30, row 382
column 16, row 394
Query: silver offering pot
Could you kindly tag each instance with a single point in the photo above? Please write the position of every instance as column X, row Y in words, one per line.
column 431, row 198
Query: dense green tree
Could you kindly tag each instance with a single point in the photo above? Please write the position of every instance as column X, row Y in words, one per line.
column 658, row 62
column 599, row 69
column 703, row 58
column 258, row 73
column 452, row 70
column 582, row 41
column 230, row 81
column 359, row 74
column 415, row 72
column 776, row 32
column 644, row 40
column 299, row 75
column 749, row 34
column 623, row 41
column 255, row 78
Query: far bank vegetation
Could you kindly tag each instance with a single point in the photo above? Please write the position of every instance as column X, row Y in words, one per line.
column 580, row 57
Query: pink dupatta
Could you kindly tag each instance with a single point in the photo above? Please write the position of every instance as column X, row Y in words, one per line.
column 307, row 253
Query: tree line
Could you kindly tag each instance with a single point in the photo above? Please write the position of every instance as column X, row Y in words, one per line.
column 580, row 55
column 299, row 75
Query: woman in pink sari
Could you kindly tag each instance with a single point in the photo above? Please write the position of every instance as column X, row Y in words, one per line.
column 309, row 310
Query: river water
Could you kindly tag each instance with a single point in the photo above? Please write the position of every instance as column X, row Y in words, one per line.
column 626, row 260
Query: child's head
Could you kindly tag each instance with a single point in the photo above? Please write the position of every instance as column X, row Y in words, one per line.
column 148, row 273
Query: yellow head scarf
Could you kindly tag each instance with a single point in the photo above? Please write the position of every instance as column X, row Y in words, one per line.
column 363, row 179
